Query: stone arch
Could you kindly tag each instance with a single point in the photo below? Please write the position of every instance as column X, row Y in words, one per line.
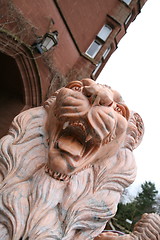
column 20, row 85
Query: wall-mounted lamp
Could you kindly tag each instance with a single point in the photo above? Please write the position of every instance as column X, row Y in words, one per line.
column 48, row 41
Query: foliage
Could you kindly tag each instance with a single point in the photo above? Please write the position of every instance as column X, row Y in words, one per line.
column 144, row 202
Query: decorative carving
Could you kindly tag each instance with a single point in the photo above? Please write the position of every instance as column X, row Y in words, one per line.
column 64, row 166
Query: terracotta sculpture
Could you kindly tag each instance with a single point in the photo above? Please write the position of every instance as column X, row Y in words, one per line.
column 64, row 166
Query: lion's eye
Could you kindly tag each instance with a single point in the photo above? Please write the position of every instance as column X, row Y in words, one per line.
column 76, row 88
column 117, row 109
column 123, row 110
column 120, row 110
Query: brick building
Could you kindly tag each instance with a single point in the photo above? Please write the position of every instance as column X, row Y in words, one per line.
column 85, row 34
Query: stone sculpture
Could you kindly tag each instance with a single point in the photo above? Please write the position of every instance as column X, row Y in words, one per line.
column 64, row 166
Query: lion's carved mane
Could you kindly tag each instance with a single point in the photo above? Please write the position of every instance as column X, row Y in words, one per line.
column 35, row 206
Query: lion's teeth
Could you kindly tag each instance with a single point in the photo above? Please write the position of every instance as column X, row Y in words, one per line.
column 65, row 125
column 89, row 137
column 78, row 124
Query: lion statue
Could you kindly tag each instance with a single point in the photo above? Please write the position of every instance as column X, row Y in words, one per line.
column 64, row 165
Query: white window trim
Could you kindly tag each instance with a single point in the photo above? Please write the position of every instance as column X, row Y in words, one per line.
column 128, row 19
column 97, row 68
column 106, row 52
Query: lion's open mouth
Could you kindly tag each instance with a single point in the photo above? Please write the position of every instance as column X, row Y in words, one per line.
column 74, row 139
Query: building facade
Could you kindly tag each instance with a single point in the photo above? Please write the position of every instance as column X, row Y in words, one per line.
column 84, row 34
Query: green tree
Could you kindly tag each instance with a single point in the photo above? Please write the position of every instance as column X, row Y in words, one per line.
column 144, row 202
column 125, row 212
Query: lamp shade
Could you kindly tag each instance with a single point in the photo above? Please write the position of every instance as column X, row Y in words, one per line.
column 49, row 40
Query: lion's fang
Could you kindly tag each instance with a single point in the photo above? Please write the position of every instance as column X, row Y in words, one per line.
column 88, row 138
column 65, row 125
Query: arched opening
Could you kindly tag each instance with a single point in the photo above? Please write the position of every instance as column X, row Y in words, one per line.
column 20, row 84
column 11, row 92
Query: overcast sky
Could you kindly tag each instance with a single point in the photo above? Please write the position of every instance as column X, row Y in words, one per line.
column 134, row 70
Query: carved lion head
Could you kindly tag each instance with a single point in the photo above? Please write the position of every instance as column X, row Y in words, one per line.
column 86, row 122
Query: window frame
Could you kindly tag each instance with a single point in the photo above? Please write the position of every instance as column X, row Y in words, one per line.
column 96, row 51
column 98, row 65
column 128, row 19
column 106, row 53
column 102, row 32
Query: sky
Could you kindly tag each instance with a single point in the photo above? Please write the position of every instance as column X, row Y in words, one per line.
column 134, row 71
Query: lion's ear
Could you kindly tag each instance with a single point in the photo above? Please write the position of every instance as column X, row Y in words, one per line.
column 140, row 128
column 135, row 131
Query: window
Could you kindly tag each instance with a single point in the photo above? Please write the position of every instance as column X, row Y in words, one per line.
column 101, row 37
column 105, row 54
column 127, row 1
column 93, row 49
column 104, row 32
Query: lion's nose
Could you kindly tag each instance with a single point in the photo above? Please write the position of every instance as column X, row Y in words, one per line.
column 97, row 98
column 90, row 93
